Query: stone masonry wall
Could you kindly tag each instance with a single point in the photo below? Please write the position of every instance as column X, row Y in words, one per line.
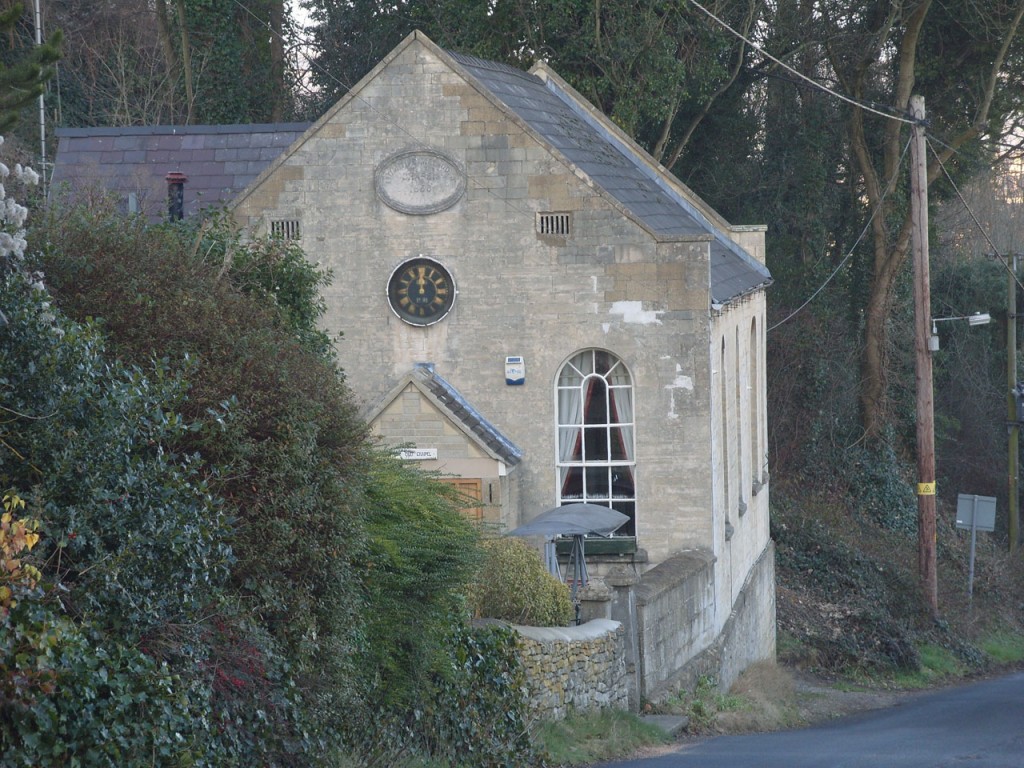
column 574, row 669
column 677, row 638
column 610, row 285
column 598, row 664
column 675, row 618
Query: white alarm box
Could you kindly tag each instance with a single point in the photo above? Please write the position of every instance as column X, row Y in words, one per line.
column 515, row 370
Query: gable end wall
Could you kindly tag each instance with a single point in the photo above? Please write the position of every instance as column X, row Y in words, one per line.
column 609, row 285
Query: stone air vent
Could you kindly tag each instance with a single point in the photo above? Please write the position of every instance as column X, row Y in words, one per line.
column 287, row 229
column 554, row 224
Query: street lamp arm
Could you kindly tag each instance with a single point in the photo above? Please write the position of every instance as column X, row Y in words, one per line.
column 978, row 318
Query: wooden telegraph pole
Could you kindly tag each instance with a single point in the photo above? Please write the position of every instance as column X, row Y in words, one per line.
column 923, row 356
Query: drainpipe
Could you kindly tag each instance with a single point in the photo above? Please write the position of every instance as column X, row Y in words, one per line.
column 175, row 195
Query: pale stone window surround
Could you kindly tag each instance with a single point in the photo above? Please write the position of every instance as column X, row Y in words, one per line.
column 596, row 455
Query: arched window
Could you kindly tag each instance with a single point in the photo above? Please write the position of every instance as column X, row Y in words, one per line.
column 596, row 455
column 742, row 460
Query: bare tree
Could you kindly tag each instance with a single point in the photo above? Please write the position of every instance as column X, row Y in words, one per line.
column 960, row 60
column 135, row 62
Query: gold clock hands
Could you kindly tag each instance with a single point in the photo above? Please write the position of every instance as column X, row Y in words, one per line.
column 422, row 293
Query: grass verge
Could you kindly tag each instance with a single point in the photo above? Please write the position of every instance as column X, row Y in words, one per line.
column 605, row 735
column 1004, row 647
column 937, row 664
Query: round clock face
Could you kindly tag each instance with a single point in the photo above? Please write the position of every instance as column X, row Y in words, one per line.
column 421, row 291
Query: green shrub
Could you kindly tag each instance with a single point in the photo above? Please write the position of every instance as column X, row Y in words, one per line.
column 331, row 616
column 422, row 554
column 482, row 716
column 134, row 531
column 514, row 585
column 74, row 695
column 274, row 271
column 98, row 662
column 281, row 441
column 474, row 713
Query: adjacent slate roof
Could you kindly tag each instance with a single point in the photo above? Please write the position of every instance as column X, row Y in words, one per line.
column 458, row 409
column 638, row 186
column 219, row 161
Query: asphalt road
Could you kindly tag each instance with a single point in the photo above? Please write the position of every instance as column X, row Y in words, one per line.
column 975, row 726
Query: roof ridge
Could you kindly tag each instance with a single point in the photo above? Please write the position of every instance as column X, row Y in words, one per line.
column 494, row 66
column 172, row 130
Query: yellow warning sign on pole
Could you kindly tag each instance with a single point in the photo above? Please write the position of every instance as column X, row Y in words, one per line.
column 926, row 489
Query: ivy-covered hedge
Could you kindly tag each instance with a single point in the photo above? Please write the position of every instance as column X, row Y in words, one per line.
column 99, row 659
column 281, row 445
column 238, row 575
column 481, row 718
column 473, row 713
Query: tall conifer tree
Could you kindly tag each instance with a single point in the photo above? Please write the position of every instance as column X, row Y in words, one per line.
column 23, row 81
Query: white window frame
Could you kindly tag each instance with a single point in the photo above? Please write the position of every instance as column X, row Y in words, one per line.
column 610, row 478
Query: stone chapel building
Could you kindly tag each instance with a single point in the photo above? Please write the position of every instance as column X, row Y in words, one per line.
column 531, row 306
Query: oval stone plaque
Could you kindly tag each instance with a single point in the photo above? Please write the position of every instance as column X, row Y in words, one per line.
column 419, row 181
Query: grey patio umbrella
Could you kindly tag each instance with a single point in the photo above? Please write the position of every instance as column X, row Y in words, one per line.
column 577, row 520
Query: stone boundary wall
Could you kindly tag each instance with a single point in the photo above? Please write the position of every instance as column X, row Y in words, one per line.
column 664, row 641
column 574, row 669
column 669, row 619
column 747, row 637
column 675, row 617
column 750, row 633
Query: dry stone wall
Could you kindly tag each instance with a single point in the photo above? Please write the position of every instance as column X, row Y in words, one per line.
column 575, row 669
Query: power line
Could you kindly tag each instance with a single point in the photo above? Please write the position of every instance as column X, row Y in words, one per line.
column 853, row 248
column 1005, row 261
column 801, row 75
column 724, row 25
column 867, row 108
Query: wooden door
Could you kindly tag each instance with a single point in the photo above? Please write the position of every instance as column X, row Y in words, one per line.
column 471, row 488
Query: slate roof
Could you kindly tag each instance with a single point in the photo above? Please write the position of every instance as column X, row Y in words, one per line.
column 455, row 407
column 638, row 186
column 458, row 409
column 219, row 161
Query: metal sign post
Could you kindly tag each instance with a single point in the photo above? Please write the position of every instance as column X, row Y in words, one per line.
column 975, row 513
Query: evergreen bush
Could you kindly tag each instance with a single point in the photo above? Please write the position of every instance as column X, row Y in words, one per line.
column 514, row 585
column 281, row 441
column 482, row 717
column 98, row 659
column 331, row 576
column 422, row 553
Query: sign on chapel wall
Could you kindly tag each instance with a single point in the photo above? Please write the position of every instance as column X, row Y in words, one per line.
column 419, row 181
